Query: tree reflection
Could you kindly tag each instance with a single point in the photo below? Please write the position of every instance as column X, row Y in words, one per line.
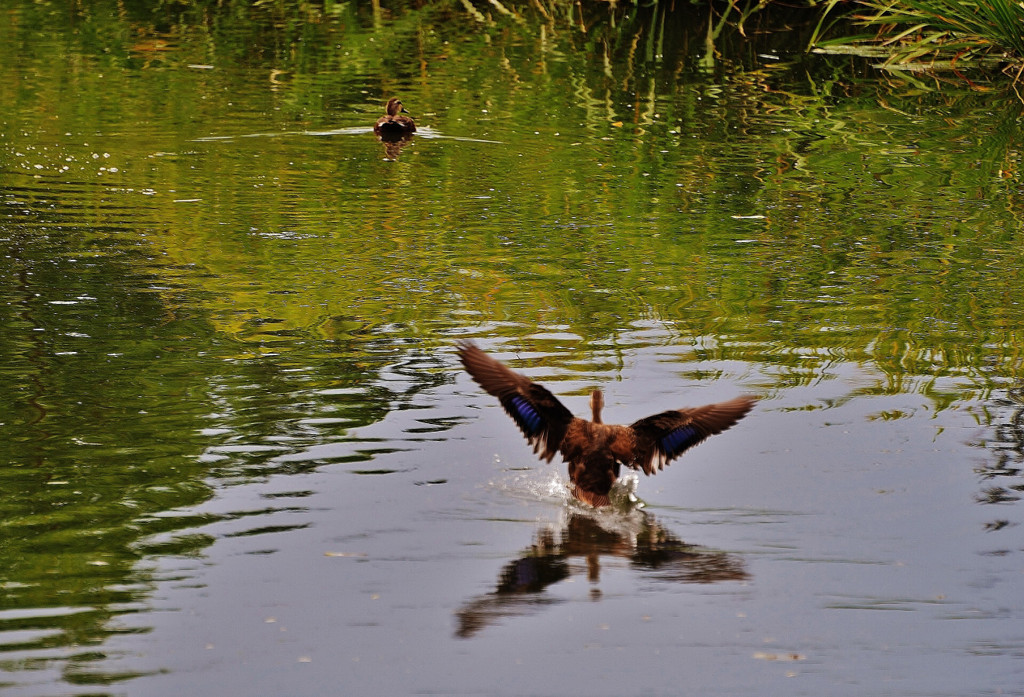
column 651, row 549
column 1003, row 475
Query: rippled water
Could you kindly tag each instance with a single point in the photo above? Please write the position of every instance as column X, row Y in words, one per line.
column 238, row 454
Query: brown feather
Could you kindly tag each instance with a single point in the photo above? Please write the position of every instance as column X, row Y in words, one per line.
column 515, row 391
column 595, row 500
column 694, row 426
column 593, row 450
column 393, row 122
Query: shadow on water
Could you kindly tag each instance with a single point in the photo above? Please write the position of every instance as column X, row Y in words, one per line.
column 649, row 547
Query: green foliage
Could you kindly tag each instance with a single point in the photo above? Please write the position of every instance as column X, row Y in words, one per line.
column 925, row 32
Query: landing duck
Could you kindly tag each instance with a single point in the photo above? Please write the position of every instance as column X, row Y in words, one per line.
column 594, row 450
column 393, row 123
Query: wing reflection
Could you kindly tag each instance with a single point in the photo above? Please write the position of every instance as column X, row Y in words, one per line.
column 650, row 548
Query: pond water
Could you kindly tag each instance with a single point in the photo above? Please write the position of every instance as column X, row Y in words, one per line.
column 238, row 454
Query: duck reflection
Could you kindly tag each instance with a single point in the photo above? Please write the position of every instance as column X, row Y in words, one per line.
column 393, row 143
column 650, row 548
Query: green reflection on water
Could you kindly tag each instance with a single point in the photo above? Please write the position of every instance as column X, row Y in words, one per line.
column 179, row 311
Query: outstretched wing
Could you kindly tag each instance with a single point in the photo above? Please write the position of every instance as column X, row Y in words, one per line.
column 665, row 436
column 539, row 415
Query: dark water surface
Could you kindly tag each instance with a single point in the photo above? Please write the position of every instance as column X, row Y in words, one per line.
column 237, row 454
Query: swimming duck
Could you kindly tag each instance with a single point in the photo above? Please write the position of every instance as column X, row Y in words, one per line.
column 594, row 450
column 393, row 122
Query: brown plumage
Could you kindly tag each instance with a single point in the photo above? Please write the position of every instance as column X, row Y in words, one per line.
column 393, row 123
column 594, row 450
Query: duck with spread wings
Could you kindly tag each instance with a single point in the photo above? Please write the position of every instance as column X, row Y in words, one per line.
column 595, row 450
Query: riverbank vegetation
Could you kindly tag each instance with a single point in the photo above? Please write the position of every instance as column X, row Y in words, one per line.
column 910, row 35
column 915, row 35
column 933, row 34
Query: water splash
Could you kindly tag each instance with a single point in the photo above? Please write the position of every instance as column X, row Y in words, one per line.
column 421, row 132
column 623, row 493
column 542, row 484
column 533, row 484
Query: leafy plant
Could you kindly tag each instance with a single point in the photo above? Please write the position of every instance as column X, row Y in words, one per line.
column 911, row 31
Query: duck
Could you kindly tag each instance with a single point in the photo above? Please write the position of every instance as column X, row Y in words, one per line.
column 595, row 451
column 393, row 123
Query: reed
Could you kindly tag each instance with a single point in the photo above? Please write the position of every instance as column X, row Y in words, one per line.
column 919, row 31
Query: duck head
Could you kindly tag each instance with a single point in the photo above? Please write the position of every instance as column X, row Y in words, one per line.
column 395, row 107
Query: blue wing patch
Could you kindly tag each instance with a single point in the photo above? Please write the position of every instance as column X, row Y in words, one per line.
column 679, row 440
column 526, row 415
